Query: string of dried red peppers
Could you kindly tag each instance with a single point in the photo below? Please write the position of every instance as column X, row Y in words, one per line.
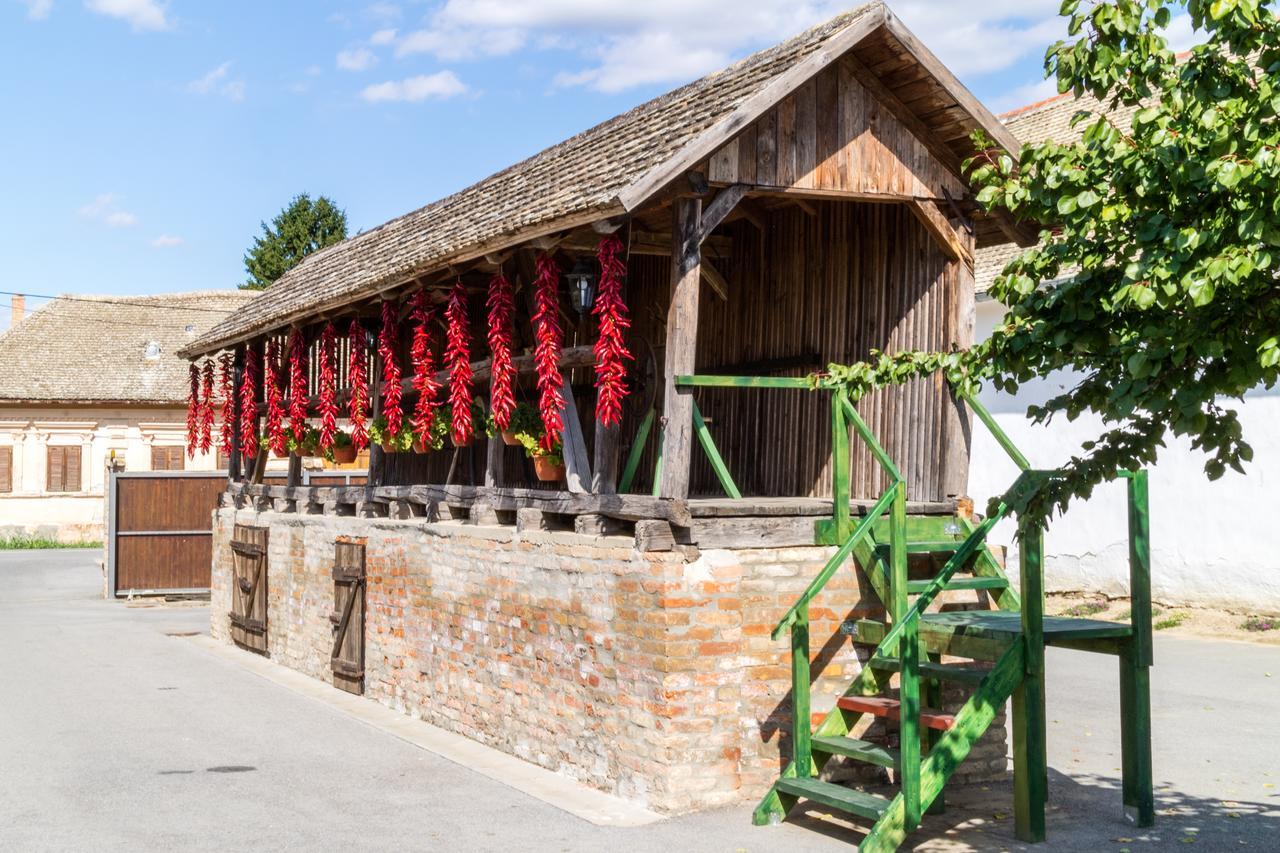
column 276, row 438
column 227, row 429
column 502, row 309
column 206, row 407
column 193, row 412
column 458, row 356
column 297, row 385
column 387, row 346
column 546, row 353
column 424, row 367
column 610, row 347
column 359, row 382
column 249, row 405
column 328, row 404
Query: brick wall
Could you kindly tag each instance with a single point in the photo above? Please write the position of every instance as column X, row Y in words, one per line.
column 648, row 675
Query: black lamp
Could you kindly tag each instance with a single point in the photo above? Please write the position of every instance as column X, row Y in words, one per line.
column 582, row 286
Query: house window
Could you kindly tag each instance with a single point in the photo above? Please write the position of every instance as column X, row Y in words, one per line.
column 6, row 469
column 62, row 472
column 167, row 458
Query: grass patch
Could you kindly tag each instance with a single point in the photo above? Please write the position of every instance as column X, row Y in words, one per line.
column 1086, row 608
column 35, row 543
column 1173, row 620
column 1258, row 624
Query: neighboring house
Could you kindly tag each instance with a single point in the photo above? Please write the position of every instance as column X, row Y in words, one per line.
column 1199, row 556
column 88, row 379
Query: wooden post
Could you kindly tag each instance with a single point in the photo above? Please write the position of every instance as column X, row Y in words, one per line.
column 958, row 426
column 604, row 468
column 840, row 523
column 493, row 474
column 1030, row 763
column 235, row 463
column 577, row 467
column 909, row 655
column 681, row 349
column 1135, row 665
column 801, row 727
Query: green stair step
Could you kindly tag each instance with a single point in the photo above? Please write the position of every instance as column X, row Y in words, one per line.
column 890, row 709
column 848, row 800
column 930, row 546
column 940, row 671
column 961, row 583
column 860, row 750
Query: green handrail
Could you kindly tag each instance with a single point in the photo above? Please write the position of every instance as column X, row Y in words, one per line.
column 994, row 428
column 868, row 437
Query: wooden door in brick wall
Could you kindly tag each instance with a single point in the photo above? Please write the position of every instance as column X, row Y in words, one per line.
column 347, row 657
column 249, row 587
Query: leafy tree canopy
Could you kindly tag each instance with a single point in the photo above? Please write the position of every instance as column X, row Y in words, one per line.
column 301, row 228
column 1164, row 246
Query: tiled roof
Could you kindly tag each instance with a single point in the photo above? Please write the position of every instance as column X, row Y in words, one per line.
column 94, row 348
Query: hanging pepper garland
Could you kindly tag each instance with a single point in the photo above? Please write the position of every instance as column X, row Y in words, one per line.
column 610, row 348
column 249, row 405
column 546, row 353
column 206, row 407
column 228, row 426
column 359, row 383
column 424, row 367
column 458, row 356
column 193, row 412
column 276, row 438
column 328, row 405
column 387, row 346
column 297, row 385
column 502, row 370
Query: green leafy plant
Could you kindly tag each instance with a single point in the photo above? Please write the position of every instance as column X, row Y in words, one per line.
column 439, row 431
column 524, row 418
column 303, row 227
column 32, row 543
column 1173, row 620
column 340, row 439
column 307, row 446
column 397, row 442
column 534, row 450
column 1259, row 624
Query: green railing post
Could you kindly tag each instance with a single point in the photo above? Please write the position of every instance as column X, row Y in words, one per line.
column 637, row 451
column 909, row 655
column 1030, row 763
column 840, row 525
column 801, row 727
column 713, row 454
column 1135, row 663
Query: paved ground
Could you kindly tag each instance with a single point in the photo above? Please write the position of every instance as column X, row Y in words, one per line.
column 117, row 733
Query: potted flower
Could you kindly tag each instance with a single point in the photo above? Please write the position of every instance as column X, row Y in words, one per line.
column 479, row 423
column 433, row 439
column 342, row 451
column 380, row 433
column 548, row 465
column 524, row 418
column 307, row 445
column 266, row 445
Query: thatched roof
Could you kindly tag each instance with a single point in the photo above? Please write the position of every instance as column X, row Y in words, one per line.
column 93, row 349
column 606, row 171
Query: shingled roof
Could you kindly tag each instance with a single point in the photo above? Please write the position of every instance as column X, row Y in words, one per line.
column 608, row 170
column 93, row 349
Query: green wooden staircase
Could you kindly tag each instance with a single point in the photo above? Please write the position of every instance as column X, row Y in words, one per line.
column 902, row 681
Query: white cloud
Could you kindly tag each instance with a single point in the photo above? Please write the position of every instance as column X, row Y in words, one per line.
column 382, row 37
column 1180, row 34
column 167, row 241
column 219, row 82
column 623, row 43
column 104, row 209
column 38, row 10
column 443, row 84
column 356, row 59
column 141, row 14
column 1024, row 96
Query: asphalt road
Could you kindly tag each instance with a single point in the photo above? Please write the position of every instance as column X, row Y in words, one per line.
column 119, row 733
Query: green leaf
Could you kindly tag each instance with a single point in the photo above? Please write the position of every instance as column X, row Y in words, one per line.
column 1201, row 291
column 1067, row 205
column 1086, row 199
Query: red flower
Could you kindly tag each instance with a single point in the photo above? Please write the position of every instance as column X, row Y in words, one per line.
column 359, row 383
column 328, row 405
column 546, row 353
column 227, row 383
column 458, row 356
column 276, row 438
column 502, row 370
column 387, row 345
column 297, row 385
column 193, row 412
column 249, row 405
column 610, row 348
column 424, row 367
column 206, row 408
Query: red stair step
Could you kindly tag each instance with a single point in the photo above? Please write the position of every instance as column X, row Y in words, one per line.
column 880, row 706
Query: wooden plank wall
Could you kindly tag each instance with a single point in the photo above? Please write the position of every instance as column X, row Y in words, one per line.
column 832, row 134
column 810, row 291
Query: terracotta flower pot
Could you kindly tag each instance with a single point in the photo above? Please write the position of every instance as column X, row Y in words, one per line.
column 280, row 454
column 546, row 470
column 388, row 447
column 457, row 443
column 509, row 438
column 420, row 446
column 344, row 455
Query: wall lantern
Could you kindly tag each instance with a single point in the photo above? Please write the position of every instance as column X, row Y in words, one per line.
column 582, row 286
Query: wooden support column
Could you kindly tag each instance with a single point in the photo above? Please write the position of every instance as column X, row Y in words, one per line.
column 493, row 474
column 235, row 471
column 681, row 350
column 604, row 468
column 1030, row 762
column 958, row 427
column 574, row 446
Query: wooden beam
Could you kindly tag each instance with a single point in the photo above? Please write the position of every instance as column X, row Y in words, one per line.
column 957, row 426
column 720, row 207
column 804, row 205
column 753, row 214
column 718, row 282
column 942, row 231
column 574, row 450
column 652, row 243
column 681, row 350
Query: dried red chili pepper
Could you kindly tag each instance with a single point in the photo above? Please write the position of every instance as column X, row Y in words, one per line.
column 424, row 367
column 276, row 438
column 227, row 428
column 193, row 412
column 249, row 405
column 610, row 347
column 388, row 343
column 327, row 406
column 546, row 353
column 502, row 370
column 206, row 408
column 297, row 385
column 359, row 382
column 458, row 356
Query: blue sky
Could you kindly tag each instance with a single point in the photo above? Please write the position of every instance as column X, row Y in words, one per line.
column 144, row 140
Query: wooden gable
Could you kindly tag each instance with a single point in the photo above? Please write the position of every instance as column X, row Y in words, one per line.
column 834, row 135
